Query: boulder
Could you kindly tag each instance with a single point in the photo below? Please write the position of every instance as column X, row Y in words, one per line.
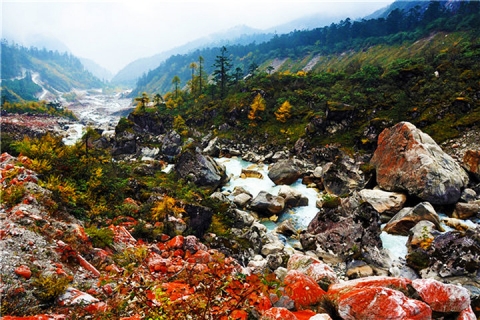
column 302, row 289
column 452, row 253
column 407, row 159
column 284, row 172
column 293, row 198
column 442, row 297
column 381, row 303
column 319, row 271
column 342, row 177
column 345, row 230
column 466, row 210
column 276, row 313
column 407, row 218
column 286, row 228
column 242, row 199
column 383, row 201
column 267, row 203
column 471, row 162
column 171, row 145
column 202, row 170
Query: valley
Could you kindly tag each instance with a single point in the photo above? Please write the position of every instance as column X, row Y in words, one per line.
column 331, row 173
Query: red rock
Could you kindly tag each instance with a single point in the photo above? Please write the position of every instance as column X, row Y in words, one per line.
column 135, row 317
column 442, row 297
column 337, row 289
column 302, row 289
column 408, row 159
column 97, row 307
column 87, row 266
column 304, row 314
column 163, row 237
column 277, row 314
column 238, row 315
column 200, row 256
column 176, row 243
column 318, row 270
column 24, row 271
column 107, row 289
column 121, row 235
column 467, row 314
column 471, row 162
column 381, row 303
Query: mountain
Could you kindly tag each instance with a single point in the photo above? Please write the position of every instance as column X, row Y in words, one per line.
column 96, row 69
column 301, row 49
column 237, row 35
column 29, row 73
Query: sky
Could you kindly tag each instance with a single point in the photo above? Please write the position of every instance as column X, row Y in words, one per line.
column 115, row 33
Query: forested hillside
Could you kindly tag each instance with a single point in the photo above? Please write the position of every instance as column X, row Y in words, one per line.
column 342, row 83
column 57, row 72
column 404, row 23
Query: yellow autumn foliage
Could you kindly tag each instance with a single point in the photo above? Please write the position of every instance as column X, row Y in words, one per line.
column 258, row 104
column 283, row 113
column 165, row 207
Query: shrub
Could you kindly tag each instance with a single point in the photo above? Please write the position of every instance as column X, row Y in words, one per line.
column 101, row 238
column 49, row 287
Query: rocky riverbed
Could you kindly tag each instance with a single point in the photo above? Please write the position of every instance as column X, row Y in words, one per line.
column 337, row 268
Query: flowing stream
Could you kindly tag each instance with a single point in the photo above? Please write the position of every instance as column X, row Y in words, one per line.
column 300, row 216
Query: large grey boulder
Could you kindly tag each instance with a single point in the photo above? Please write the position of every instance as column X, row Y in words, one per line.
column 383, row 201
column 202, row 170
column 284, row 172
column 407, row 218
column 171, row 145
column 267, row 203
column 407, row 159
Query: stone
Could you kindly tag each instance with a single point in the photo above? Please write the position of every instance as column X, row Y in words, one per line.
column 23, row 271
column 242, row 199
column 321, row 316
column 466, row 210
column 406, row 159
column 257, row 265
column 359, row 271
column 421, row 235
column 267, row 203
column 302, row 289
column 284, row 172
column 242, row 219
column 293, row 198
column 380, row 303
column 342, row 177
column 74, row 296
column 468, row 195
column 471, row 162
column 442, row 297
column 272, row 248
column 278, row 313
column 338, row 289
column 407, row 218
column 202, row 170
column 247, row 173
column 321, row 272
column 286, row 228
column 383, row 201
column 346, row 230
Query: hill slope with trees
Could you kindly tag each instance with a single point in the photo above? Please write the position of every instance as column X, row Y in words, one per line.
column 58, row 72
column 347, row 81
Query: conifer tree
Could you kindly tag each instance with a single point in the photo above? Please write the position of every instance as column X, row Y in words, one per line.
column 221, row 73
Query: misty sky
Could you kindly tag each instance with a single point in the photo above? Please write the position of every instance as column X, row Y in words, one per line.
column 114, row 33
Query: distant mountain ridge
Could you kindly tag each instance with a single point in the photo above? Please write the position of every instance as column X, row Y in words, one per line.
column 237, row 35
